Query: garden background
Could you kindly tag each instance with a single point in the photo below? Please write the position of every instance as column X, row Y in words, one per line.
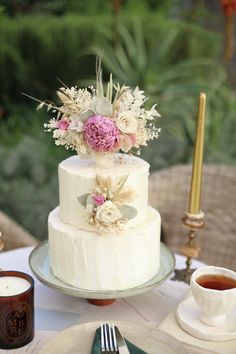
column 171, row 49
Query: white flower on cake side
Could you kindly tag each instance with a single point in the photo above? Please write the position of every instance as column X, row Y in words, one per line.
column 108, row 213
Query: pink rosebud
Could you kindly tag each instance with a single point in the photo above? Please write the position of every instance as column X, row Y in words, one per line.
column 133, row 138
column 98, row 199
column 127, row 141
column 62, row 124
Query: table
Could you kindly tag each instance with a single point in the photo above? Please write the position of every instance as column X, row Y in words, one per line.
column 55, row 311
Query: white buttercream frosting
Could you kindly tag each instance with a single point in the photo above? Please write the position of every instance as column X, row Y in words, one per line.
column 78, row 176
column 114, row 261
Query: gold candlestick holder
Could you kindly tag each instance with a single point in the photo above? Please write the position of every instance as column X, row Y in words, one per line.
column 190, row 249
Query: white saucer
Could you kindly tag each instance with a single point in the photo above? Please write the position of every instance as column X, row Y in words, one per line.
column 187, row 315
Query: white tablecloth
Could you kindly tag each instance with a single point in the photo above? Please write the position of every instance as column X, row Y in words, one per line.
column 55, row 311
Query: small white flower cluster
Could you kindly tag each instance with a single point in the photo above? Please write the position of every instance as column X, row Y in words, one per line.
column 74, row 100
column 92, row 122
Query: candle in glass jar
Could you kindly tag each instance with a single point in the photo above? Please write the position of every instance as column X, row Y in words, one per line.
column 16, row 309
column 10, row 285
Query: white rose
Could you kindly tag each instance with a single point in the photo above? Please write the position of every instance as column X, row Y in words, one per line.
column 127, row 124
column 108, row 213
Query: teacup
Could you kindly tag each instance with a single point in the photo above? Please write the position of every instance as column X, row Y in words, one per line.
column 214, row 290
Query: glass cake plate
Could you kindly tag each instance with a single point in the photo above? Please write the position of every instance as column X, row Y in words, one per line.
column 39, row 264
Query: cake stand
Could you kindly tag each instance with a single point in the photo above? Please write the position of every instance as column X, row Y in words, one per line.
column 39, row 264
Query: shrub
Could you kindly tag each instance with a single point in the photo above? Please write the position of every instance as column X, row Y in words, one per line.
column 36, row 50
column 28, row 182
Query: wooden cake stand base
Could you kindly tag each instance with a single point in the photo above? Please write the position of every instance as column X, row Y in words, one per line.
column 101, row 302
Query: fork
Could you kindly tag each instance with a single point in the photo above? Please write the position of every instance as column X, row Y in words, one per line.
column 108, row 339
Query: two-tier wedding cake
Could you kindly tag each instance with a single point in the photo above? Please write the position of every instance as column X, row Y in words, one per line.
column 103, row 235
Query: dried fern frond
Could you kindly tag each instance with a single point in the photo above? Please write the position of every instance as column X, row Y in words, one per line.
column 125, row 196
column 120, row 185
column 105, row 183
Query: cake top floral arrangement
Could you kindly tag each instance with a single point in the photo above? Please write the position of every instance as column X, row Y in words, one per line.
column 94, row 122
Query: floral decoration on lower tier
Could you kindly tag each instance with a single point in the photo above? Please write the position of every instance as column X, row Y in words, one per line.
column 107, row 204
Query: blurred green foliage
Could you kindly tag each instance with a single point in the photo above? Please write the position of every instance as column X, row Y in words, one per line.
column 171, row 60
column 35, row 51
column 165, row 67
column 29, row 187
column 88, row 7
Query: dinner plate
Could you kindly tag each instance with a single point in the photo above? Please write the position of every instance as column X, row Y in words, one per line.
column 78, row 339
column 39, row 264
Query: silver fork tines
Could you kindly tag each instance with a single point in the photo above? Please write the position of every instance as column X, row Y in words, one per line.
column 108, row 338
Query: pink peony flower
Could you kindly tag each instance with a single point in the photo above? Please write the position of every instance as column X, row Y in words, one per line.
column 101, row 134
column 98, row 199
column 62, row 124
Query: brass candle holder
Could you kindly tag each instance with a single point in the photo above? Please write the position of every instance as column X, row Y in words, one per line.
column 194, row 217
column 190, row 249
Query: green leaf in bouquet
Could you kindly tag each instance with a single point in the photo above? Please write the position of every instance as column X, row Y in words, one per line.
column 83, row 116
column 102, row 106
column 128, row 211
column 83, row 199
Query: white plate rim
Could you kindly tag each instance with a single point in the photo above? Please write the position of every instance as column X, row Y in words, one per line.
column 152, row 332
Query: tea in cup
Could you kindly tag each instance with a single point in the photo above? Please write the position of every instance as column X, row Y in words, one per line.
column 214, row 290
